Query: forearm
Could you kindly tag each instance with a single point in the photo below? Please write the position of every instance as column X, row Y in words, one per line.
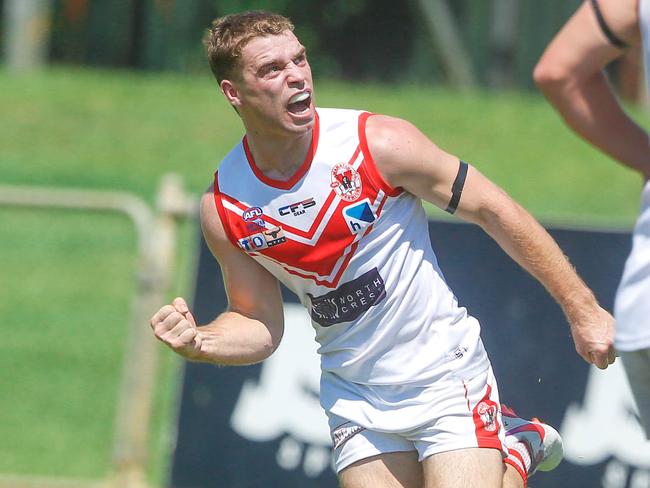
column 591, row 109
column 528, row 243
column 234, row 339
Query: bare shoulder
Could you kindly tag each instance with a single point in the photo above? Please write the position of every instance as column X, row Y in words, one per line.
column 213, row 230
column 389, row 135
column 396, row 145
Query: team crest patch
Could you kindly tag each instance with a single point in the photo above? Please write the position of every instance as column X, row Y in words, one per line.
column 346, row 182
column 263, row 240
column 358, row 216
column 487, row 413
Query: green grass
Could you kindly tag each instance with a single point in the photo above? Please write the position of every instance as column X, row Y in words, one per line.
column 67, row 278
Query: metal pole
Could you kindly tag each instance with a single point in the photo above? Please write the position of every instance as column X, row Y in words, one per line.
column 137, row 390
column 156, row 246
column 26, row 33
column 448, row 43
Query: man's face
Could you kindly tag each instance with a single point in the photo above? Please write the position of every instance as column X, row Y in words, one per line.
column 274, row 92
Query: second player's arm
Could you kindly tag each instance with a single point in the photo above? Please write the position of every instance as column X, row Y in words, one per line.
column 407, row 159
column 571, row 76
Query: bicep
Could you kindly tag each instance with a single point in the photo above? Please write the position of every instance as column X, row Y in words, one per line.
column 581, row 48
column 252, row 290
column 406, row 158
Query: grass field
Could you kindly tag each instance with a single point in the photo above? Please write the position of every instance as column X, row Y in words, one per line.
column 68, row 277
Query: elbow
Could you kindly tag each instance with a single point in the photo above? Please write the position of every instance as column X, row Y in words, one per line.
column 549, row 77
column 272, row 340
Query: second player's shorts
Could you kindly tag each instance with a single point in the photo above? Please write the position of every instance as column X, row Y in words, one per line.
column 453, row 414
column 637, row 369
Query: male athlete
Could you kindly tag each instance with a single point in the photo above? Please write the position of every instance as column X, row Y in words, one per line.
column 570, row 74
column 328, row 202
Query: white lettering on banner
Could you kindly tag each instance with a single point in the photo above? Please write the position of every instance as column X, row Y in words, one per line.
column 605, row 425
column 616, row 476
column 284, row 400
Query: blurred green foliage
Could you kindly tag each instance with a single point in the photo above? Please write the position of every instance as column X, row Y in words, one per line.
column 379, row 40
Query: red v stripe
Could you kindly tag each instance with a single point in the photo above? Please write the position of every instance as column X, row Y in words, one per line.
column 317, row 221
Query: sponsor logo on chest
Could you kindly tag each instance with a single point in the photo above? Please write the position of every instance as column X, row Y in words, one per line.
column 359, row 216
column 298, row 208
column 349, row 300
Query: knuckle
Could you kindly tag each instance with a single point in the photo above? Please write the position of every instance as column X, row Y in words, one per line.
column 166, row 310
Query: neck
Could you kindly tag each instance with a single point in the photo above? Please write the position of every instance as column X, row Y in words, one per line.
column 279, row 157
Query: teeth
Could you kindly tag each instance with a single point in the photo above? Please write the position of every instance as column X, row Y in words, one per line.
column 299, row 97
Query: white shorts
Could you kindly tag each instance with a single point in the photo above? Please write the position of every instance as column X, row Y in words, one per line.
column 468, row 415
column 637, row 369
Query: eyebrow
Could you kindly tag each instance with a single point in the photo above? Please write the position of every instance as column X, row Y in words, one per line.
column 271, row 62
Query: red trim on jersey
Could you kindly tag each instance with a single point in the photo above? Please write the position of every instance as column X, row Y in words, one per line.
column 331, row 282
column 373, row 173
column 304, row 167
column 317, row 221
column 325, row 259
column 307, row 235
column 223, row 215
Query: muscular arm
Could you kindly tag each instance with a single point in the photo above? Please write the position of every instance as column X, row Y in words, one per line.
column 252, row 327
column 407, row 159
column 570, row 74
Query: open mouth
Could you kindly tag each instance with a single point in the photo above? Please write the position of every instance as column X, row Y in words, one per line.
column 299, row 103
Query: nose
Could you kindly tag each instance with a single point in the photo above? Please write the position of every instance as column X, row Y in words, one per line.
column 296, row 76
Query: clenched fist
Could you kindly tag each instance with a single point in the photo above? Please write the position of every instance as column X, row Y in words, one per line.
column 175, row 326
column 594, row 338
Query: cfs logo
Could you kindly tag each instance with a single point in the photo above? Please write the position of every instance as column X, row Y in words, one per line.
column 263, row 240
column 297, row 208
column 359, row 216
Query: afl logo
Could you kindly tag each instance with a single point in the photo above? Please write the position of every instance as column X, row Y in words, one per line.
column 346, row 182
column 251, row 214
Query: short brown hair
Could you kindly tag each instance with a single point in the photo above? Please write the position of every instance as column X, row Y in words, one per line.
column 228, row 35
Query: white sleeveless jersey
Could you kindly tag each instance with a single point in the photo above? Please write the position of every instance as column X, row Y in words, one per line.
column 632, row 305
column 357, row 254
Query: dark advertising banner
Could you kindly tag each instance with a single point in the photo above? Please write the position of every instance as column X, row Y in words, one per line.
column 262, row 426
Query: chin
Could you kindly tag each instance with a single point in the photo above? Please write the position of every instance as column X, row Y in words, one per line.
column 300, row 126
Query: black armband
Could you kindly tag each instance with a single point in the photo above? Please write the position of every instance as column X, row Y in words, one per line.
column 457, row 188
column 613, row 39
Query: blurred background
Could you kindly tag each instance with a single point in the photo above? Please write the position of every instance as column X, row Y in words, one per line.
column 101, row 100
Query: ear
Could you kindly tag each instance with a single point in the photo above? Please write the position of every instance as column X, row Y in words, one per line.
column 231, row 93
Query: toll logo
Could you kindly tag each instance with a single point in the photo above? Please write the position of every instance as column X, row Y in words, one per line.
column 346, row 182
column 262, row 240
column 359, row 216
